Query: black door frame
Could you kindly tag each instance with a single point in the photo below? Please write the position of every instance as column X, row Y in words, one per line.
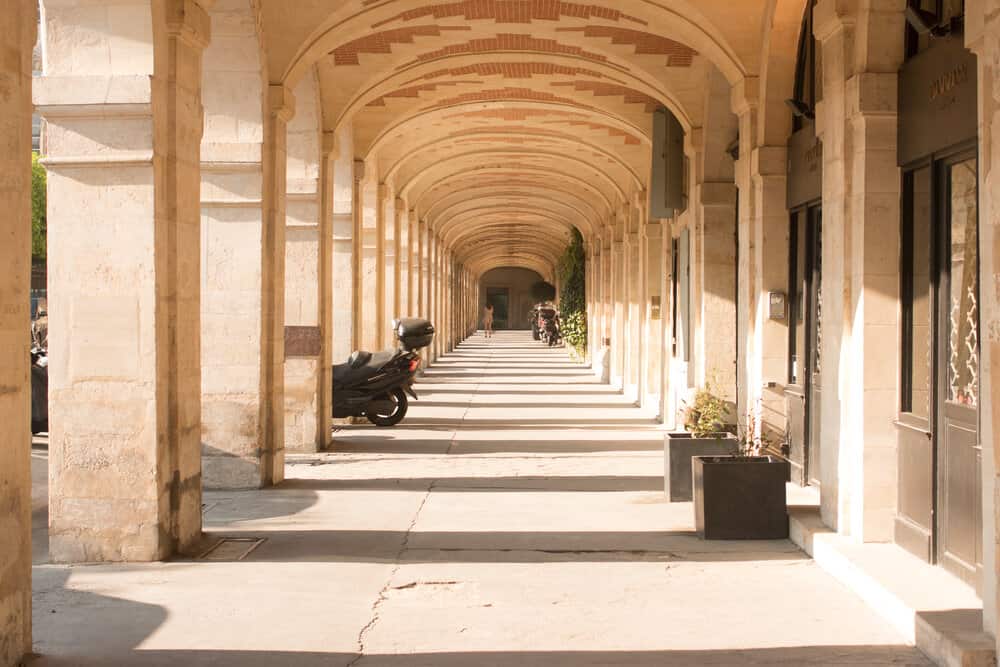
column 810, row 278
column 938, row 165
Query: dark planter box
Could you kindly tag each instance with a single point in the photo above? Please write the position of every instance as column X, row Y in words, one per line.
column 740, row 499
column 678, row 448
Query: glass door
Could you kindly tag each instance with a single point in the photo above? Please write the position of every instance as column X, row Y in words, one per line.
column 959, row 450
column 802, row 393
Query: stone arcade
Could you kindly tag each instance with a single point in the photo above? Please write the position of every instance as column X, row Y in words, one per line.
column 241, row 193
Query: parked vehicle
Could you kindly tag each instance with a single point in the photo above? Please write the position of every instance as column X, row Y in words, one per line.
column 375, row 386
column 39, row 390
column 548, row 326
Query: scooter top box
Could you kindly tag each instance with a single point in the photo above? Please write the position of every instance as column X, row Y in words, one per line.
column 414, row 333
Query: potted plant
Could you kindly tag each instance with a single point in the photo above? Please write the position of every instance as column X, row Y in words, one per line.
column 707, row 433
column 741, row 496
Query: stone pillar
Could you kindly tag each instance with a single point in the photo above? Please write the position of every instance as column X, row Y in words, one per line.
column 17, row 37
column 432, row 300
column 371, row 278
column 387, row 263
column 124, row 384
column 636, row 286
column 324, row 393
column 414, row 274
column 607, row 301
column 305, row 289
column 357, row 254
column 594, row 301
column 342, row 280
column 983, row 38
column 280, row 108
column 717, row 277
column 652, row 377
column 402, row 282
column 618, row 310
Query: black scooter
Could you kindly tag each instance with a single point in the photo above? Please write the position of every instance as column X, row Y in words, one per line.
column 376, row 386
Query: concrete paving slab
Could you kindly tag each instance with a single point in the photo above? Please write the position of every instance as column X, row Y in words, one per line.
column 469, row 538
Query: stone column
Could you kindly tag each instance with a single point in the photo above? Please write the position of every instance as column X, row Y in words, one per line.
column 402, row 282
column 305, row 289
column 594, row 301
column 124, row 384
column 618, row 310
column 717, row 276
column 281, row 108
column 342, row 281
column 371, row 279
column 636, row 286
column 432, row 300
column 387, row 263
column 357, row 254
column 983, row 38
column 414, row 273
column 836, row 32
column 652, row 380
column 324, row 393
column 17, row 37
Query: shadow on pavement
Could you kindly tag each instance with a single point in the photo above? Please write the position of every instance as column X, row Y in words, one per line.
column 793, row 655
column 584, row 484
column 387, row 546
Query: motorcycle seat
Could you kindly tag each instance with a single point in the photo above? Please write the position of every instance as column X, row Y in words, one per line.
column 359, row 358
column 361, row 366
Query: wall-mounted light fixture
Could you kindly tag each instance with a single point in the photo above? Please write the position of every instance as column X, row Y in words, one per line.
column 800, row 109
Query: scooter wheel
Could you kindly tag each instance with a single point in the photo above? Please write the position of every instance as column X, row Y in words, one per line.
column 397, row 396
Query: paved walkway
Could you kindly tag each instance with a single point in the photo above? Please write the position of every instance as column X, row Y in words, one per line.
column 516, row 519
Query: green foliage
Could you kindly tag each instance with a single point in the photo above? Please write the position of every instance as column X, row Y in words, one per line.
column 707, row 414
column 573, row 299
column 543, row 291
column 38, row 224
column 574, row 331
column 572, row 276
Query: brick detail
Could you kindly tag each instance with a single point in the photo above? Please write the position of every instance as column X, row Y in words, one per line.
column 506, row 94
column 414, row 91
column 381, row 42
column 508, row 42
column 600, row 89
column 511, row 71
column 646, row 44
column 512, row 11
column 562, row 118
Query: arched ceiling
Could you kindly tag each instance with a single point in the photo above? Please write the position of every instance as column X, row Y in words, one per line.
column 506, row 123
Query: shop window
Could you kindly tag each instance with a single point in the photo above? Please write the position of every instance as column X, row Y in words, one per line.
column 917, row 291
column 808, row 73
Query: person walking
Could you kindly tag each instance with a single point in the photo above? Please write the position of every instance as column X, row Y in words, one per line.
column 488, row 320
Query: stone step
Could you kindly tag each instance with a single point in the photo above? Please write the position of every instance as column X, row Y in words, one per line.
column 942, row 617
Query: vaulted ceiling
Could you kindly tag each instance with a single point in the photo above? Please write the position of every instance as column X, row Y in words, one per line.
column 505, row 123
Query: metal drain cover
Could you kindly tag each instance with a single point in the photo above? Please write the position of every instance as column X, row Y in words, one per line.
column 232, row 548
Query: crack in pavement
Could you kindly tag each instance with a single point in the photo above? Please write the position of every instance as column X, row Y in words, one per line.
column 383, row 594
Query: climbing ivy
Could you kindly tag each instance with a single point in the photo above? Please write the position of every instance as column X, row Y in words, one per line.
column 573, row 299
column 38, row 224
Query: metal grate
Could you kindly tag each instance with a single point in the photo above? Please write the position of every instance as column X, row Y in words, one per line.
column 232, row 548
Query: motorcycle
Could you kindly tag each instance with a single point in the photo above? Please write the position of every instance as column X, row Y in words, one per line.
column 39, row 390
column 548, row 326
column 376, row 386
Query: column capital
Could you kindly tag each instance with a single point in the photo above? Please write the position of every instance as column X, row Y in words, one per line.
column 833, row 16
column 331, row 145
column 718, row 193
column 744, row 96
column 359, row 171
column 769, row 161
column 400, row 205
column 384, row 192
column 187, row 20
column 280, row 102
